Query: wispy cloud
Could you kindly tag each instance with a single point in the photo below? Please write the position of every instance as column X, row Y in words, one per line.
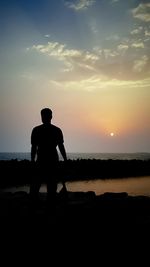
column 123, row 47
column 47, row 35
column 137, row 30
column 140, row 64
column 104, row 65
column 138, row 45
column 147, row 33
column 80, row 4
column 142, row 12
column 71, row 57
column 95, row 83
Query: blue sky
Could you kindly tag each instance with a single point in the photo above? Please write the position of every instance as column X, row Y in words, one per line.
column 88, row 60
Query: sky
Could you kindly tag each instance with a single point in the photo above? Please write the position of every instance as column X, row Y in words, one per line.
column 87, row 60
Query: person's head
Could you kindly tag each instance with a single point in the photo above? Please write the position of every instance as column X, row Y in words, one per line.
column 46, row 115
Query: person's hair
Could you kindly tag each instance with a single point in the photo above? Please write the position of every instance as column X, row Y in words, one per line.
column 46, row 114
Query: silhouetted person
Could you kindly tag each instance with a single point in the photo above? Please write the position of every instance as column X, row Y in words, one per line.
column 45, row 139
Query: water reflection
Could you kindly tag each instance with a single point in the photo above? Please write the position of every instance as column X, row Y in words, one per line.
column 133, row 186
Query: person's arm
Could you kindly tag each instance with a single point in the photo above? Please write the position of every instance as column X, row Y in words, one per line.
column 33, row 145
column 64, row 155
column 63, row 151
column 33, row 153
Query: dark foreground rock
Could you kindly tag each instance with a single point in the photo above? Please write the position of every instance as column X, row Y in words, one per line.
column 79, row 208
column 82, row 225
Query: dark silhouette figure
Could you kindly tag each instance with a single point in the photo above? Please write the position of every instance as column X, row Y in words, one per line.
column 45, row 139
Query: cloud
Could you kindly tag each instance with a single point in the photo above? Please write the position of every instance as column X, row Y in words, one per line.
column 80, row 4
column 136, row 31
column 142, row 12
column 110, row 53
column 57, row 50
column 140, row 64
column 72, row 58
column 97, row 82
column 147, row 33
column 123, row 47
column 104, row 64
column 47, row 35
column 138, row 45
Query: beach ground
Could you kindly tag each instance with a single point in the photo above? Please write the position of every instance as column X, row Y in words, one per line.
column 83, row 224
column 82, row 209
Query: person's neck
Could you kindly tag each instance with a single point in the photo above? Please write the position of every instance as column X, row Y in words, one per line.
column 47, row 123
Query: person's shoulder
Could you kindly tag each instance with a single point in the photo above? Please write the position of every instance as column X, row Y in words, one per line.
column 37, row 127
column 56, row 128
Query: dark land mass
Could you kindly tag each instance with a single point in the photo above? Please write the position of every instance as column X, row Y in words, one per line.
column 78, row 208
column 16, row 172
column 81, row 222
column 110, row 222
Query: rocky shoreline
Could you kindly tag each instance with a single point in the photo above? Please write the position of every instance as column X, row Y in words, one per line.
column 85, row 222
column 16, row 172
column 80, row 207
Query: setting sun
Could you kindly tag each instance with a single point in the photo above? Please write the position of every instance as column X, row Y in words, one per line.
column 111, row 134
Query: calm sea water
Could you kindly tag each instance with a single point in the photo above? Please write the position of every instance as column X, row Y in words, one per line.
column 135, row 186
column 103, row 156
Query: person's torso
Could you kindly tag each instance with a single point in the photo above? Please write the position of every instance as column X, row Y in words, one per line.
column 47, row 137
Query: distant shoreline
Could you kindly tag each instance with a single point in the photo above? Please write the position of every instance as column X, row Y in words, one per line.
column 83, row 155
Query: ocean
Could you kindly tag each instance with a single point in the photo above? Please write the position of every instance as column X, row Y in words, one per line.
column 74, row 156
